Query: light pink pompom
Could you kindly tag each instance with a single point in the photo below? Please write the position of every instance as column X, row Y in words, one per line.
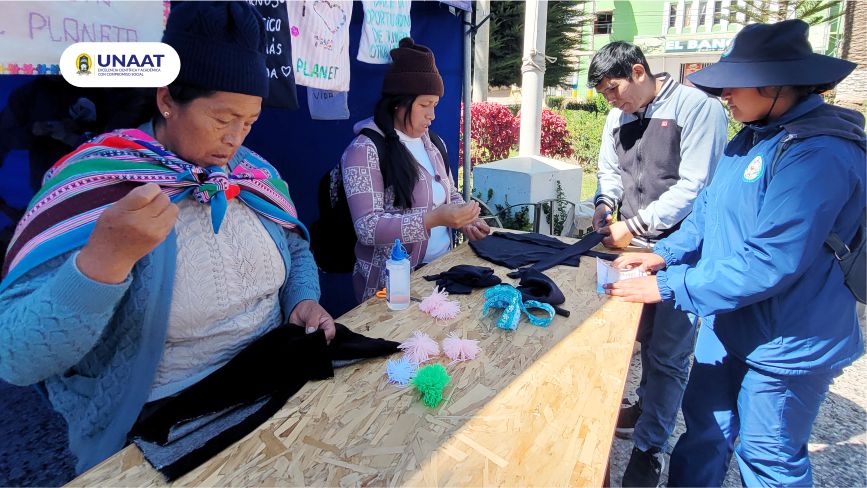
column 420, row 348
column 459, row 349
column 438, row 305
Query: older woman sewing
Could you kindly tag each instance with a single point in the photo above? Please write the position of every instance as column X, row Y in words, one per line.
column 151, row 256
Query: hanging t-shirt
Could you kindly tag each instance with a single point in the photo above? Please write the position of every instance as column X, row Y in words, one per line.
column 320, row 43
column 385, row 24
column 440, row 236
column 327, row 105
column 278, row 50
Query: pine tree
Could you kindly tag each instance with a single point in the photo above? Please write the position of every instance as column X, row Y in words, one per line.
column 507, row 41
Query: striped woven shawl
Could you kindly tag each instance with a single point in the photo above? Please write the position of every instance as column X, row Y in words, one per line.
column 62, row 215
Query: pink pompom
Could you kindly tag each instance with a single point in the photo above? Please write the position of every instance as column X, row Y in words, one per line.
column 459, row 349
column 438, row 305
column 420, row 348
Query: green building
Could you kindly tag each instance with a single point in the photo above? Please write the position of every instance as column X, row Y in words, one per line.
column 677, row 37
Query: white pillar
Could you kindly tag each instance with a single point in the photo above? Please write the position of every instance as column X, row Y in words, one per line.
column 481, row 52
column 533, row 78
column 467, row 99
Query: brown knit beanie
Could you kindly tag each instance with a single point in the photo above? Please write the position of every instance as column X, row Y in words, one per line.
column 413, row 71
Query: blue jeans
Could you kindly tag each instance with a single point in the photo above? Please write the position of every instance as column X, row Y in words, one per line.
column 667, row 339
column 772, row 414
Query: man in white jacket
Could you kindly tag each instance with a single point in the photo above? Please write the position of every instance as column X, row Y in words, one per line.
column 659, row 146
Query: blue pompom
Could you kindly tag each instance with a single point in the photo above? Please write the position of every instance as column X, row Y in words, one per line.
column 400, row 371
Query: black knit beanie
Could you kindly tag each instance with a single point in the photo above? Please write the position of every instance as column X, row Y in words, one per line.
column 413, row 71
column 221, row 46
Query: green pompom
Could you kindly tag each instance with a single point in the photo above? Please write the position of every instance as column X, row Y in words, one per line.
column 430, row 381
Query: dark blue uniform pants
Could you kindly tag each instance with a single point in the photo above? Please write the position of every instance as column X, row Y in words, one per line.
column 772, row 414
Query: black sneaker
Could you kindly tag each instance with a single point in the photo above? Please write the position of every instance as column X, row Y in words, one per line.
column 644, row 468
column 626, row 419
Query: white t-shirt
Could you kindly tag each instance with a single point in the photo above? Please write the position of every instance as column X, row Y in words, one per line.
column 440, row 237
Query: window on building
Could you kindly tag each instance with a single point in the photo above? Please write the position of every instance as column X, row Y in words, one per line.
column 672, row 15
column 603, row 23
column 687, row 15
column 702, row 12
column 717, row 12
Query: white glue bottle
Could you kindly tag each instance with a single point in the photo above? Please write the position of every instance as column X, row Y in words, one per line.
column 397, row 270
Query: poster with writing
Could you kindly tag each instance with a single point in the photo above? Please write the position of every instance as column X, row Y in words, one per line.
column 33, row 35
column 328, row 105
column 385, row 24
column 278, row 47
column 320, row 43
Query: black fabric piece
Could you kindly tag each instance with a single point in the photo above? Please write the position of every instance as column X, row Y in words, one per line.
column 243, row 393
column 535, row 285
column 572, row 253
column 516, row 250
column 174, row 463
column 461, row 279
column 352, row 346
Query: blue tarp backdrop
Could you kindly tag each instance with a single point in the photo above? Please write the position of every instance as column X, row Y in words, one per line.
column 304, row 149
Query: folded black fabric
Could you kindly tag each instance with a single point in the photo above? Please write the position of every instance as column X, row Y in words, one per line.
column 180, row 432
column 516, row 250
column 461, row 279
column 535, row 285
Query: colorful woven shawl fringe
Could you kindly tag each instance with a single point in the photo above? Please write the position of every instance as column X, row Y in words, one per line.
column 79, row 187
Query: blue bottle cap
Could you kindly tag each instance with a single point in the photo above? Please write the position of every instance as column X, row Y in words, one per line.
column 398, row 252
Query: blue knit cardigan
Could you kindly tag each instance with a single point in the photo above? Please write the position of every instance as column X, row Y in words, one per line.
column 96, row 347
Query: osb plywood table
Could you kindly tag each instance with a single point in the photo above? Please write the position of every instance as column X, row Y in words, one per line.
column 537, row 408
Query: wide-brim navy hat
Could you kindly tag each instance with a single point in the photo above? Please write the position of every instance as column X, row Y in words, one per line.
column 771, row 55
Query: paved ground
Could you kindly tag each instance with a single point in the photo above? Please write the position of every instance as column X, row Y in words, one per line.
column 838, row 446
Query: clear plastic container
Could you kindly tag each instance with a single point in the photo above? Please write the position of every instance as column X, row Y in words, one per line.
column 397, row 270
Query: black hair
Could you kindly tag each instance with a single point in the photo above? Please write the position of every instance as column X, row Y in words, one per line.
column 182, row 94
column 398, row 169
column 615, row 60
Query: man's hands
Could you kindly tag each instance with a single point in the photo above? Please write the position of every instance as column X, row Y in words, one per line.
column 618, row 235
column 454, row 215
column 617, row 232
column 601, row 217
column 476, row 230
column 125, row 232
column 310, row 315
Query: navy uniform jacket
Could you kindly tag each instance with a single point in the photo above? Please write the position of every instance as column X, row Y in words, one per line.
column 751, row 257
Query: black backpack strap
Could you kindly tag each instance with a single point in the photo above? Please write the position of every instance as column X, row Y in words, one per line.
column 377, row 139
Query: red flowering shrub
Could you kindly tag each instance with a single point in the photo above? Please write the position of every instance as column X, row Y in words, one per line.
column 555, row 135
column 493, row 132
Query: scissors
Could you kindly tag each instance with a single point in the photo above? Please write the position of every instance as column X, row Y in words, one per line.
column 383, row 294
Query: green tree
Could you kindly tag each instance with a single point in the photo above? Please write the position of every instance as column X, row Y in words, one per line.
column 507, row 41
column 813, row 12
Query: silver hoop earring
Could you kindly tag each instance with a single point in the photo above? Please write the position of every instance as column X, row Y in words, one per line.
column 166, row 114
